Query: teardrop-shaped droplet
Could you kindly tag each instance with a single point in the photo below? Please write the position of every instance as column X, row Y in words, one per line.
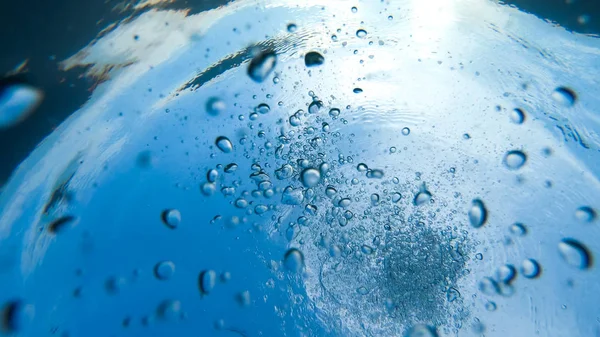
column 262, row 65
column 215, row 106
column 530, row 268
column 564, row 96
column 171, row 218
column 478, row 213
column 313, row 59
column 293, row 260
column 585, row 214
column 575, row 253
column 164, row 270
column 224, row 144
column 514, row 160
column 206, row 281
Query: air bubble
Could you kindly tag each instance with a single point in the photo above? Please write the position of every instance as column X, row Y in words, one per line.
column 564, row 96
column 171, row 218
column 575, row 253
column 478, row 213
column 517, row 116
column 530, row 268
column 206, row 281
column 315, row 107
column 230, row 168
column 224, row 144
column 292, row 27
column 422, row 196
column 406, row 131
column 310, row 177
column 518, row 229
column 585, row 214
column 293, row 260
column 164, row 270
column 263, row 108
column 514, row 160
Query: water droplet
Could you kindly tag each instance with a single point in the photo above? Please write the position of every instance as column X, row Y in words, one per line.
column 517, row 116
column 406, row 131
column 164, row 270
column 295, row 120
column 345, row 202
column 366, row 249
column 422, row 196
column 61, row 224
column 230, row 168
column 215, row 106
column 314, row 107
column 479, row 256
column 361, row 33
column 585, row 214
column 263, row 108
column 169, row 310
column 113, row 285
column 224, row 144
column 292, row 27
column 375, row 174
column 506, row 273
column 293, row 260
column 260, row 209
column 357, row 90
column 171, row 218
column 212, row 175
column 477, row 213
column 206, row 281
column 208, row 189
column 518, row 229
column 17, row 101
column 530, row 268
column 575, row 253
column 390, row 18
column 262, row 65
column 310, row 177
column 284, row 172
column 396, row 197
column 565, row 96
column 16, row 316
column 490, row 306
column 243, row 298
column 452, row 294
column 422, row 330
column 362, row 167
column 313, row 59
column 354, row 9
column 330, row 191
column 514, row 160
column 374, row 199
column 334, row 112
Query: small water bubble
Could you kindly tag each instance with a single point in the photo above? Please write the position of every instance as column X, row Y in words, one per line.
column 488, row 286
column 310, row 177
column 422, row 196
column 362, row 167
column 564, row 96
column 215, row 106
column 466, row 136
column 315, row 107
column 575, row 253
column 491, row 306
column 406, row 131
column 479, row 256
column 263, row 108
column 230, row 168
column 334, row 112
column 517, row 116
column 422, row 330
column 293, row 260
column 313, row 59
column 478, row 213
column 208, row 189
column 16, row 316
column 354, row 9
column 330, row 191
column 585, row 214
column 224, row 144
column 357, row 90
column 362, row 290
column 262, row 65
column 361, row 33
column 164, row 270
column 169, row 310
column 61, row 224
column 452, row 294
column 374, row 199
column 291, row 27
column 390, row 18
column 530, row 268
column 395, row 180
column 241, row 203
column 212, row 175
column 518, row 229
column 171, row 218
column 206, row 281
column 344, row 202
column 506, row 273
column 396, row 197
column 260, row 209
column 515, row 159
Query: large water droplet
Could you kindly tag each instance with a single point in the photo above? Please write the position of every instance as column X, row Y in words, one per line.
column 293, row 260
column 422, row 196
column 315, row 107
column 164, row 270
column 565, row 96
column 530, row 268
column 518, row 229
column 215, row 106
column 263, row 108
column 212, row 175
column 224, row 144
column 206, row 281
column 16, row 316
column 514, row 160
column 171, row 218
column 477, row 213
column 313, row 59
column 585, row 214
column 406, row 131
column 310, row 177
column 517, row 116
column 422, row 330
column 262, row 65
column 361, row 33
column 575, row 253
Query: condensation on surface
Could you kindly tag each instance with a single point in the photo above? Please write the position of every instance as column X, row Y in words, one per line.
column 434, row 171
